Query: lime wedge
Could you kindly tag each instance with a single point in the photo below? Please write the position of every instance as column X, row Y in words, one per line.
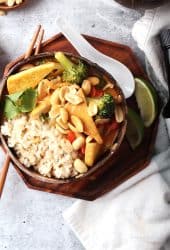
column 147, row 101
column 135, row 129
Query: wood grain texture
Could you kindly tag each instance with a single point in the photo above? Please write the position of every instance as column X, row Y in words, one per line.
column 3, row 173
column 125, row 163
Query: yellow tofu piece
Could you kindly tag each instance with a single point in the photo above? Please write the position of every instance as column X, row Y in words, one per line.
column 92, row 152
column 42, row 108
column 81, row 111
column 29, row 78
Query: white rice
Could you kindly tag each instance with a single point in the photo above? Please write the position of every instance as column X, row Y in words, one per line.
column 40, row 146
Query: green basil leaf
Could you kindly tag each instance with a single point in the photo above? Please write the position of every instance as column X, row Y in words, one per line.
column 14, row 97
column 10, row 109
column 27, row 100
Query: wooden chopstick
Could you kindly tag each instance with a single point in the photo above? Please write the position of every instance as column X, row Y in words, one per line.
column 40, row 39
column 32, row 43
column 3, row 173
column 38, row 33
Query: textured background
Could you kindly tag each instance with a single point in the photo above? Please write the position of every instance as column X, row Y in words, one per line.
column 31, row 219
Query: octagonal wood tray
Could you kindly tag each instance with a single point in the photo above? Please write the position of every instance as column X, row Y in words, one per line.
column 125, row 162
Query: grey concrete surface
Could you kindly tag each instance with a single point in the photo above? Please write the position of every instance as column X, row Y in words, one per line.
column 32, row 220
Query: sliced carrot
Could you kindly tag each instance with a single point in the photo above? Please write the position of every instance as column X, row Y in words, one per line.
column 96, row 92
column 71, row 136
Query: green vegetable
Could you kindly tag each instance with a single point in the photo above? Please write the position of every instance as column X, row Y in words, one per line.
column 20, row 102
column 105, row 105
column 27, row 100
column 74, row 73
column 10, row 110
column 15, row 97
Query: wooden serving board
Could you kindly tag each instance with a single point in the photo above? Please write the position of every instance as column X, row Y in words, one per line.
column 126, row 162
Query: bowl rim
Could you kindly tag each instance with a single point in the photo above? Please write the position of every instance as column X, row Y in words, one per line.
column 97, row 165
column 4, row 7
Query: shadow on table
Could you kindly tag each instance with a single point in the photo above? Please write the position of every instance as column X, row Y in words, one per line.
column 166, row 245
column 4, row 60
column 32, row 3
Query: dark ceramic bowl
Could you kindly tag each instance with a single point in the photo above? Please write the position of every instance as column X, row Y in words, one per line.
column 144, row 4
column 104, row 160
column 7, row 8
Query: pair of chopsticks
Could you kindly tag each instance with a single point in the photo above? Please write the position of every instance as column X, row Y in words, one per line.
column 34, row 46
column 37, row 38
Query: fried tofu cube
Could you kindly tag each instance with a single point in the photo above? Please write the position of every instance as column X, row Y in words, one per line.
column 81, row 111
column 29, row 78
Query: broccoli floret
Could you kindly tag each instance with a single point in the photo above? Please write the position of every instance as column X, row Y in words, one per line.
column 105, row 105
column 74, row 73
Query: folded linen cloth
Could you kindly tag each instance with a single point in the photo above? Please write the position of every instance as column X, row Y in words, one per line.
column 136, row 215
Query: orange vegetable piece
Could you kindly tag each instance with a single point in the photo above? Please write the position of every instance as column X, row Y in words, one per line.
column 81, row 111
column 71, row 136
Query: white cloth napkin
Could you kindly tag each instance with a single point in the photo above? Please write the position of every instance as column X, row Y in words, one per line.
column 136, row 215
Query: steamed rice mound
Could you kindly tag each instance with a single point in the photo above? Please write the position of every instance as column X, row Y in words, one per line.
column 41, row 146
